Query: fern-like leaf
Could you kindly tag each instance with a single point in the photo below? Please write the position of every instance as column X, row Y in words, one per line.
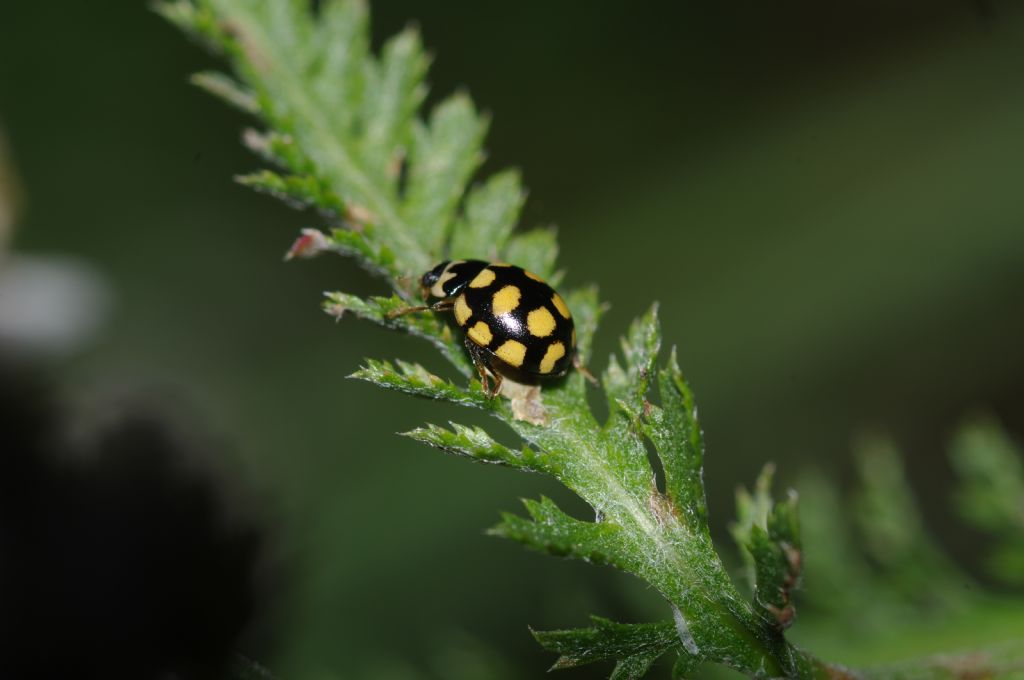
column 346, row 135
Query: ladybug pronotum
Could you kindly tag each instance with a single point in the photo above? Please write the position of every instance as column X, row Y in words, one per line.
column 511, row 318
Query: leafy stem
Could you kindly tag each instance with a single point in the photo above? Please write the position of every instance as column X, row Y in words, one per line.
column 343, row 132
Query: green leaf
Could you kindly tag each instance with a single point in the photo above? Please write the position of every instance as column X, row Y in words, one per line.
column 375, row 258
column 279, row 149
column 492, row 210
column 635, row 645
column 535, row 250
column 299, row 191
column 627, row 385
column 991, row 492
column 551, row 530
column 415, row 380
column 634, row 667
column 991, row 469
column 674, row 430
column 893, row 532
column 837, row 571
column 685, row 666
column 475, row 443
column 887, row 513
column 199, row 21
column 768, row 534
column 228, row 89
column 394, row 90
column 427, row 325
column 341, row 51
column 443, row 157
column 586, row 313
column 344, row 127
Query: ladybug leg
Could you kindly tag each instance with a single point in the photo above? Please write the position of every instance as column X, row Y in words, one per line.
column 497, row 384
column 578, row 365
column 483, row 367
column 442, row 306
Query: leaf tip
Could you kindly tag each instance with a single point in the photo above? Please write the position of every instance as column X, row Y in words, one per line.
column 310, row 243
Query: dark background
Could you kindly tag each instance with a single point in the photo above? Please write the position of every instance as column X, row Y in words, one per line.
column 825, row 198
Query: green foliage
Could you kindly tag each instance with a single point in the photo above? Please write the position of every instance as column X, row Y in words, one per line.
column 551, row 530
column 893, row 533
column 768, row 534
column 879, row 579
column 300, row 191
column 475, row 443
column 635, row 646
column 992, row 494
column 489, row 217
column 676, row 434
column 394, row 190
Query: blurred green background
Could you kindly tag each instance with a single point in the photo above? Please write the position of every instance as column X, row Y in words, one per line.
column 826, row 199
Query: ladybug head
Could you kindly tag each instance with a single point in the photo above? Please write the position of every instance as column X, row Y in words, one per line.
column 431, row 277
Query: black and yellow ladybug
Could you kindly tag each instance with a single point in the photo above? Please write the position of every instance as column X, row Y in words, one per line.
column 511, row 317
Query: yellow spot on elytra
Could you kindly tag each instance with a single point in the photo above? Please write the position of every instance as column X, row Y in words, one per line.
column 573, row 337
column 505, row 300
column 480, row 333
column 556, row 351
column 540, row 323
column 559, row 304
column 462, row 310
column 483, row 279
column 531, row 275
column 512, row 352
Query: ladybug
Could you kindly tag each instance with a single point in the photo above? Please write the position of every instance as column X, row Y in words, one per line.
column 511, row 317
